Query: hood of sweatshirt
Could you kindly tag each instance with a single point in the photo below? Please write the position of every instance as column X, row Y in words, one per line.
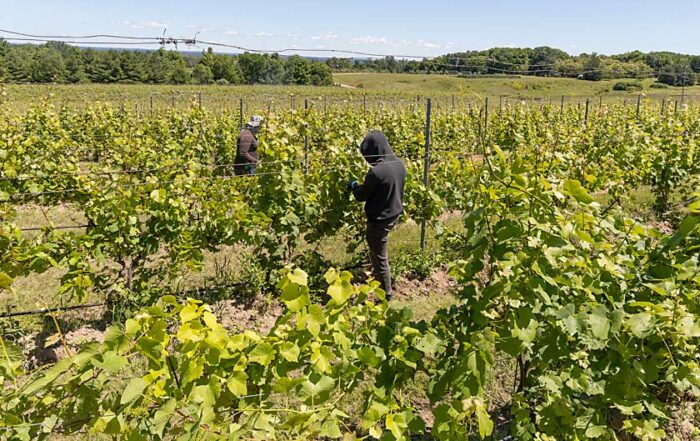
column 375, row 148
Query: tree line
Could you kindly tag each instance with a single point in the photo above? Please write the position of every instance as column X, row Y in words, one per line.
column 57, row 62
column 668, row 67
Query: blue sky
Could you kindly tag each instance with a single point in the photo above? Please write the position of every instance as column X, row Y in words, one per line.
column 381, row 26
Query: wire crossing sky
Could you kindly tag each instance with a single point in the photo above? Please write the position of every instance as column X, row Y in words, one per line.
column 381, row 26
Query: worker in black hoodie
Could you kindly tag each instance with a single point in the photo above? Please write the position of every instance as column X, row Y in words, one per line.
column 382, row 193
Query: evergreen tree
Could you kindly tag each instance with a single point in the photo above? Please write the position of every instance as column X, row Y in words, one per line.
column 202, row 74
column 180, row 74
column 105, row 68
column 157, row 69
column 48, row 66
column 132, row 67
column 208, row 58
column 75, row 66
column 18, row 66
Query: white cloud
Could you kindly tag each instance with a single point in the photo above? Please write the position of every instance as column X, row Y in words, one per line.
column 264, row 34
column 232, row 32
column 369, row 39
column 328, row 36
column 151, row 24
column 405, row 44
column 432, row 45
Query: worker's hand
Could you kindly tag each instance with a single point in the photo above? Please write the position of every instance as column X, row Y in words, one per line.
column 353, row 184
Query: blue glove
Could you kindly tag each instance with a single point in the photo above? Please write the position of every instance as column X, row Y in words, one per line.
column 353, row 184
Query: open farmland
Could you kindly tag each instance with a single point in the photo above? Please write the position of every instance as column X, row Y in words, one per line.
column 371, row 90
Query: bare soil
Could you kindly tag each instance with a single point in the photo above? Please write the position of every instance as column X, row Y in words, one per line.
column 258, row 314
column 437, row 284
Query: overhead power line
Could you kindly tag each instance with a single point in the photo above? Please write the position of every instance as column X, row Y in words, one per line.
column 194, row 40
column 42, row 40
column 534, row 69
column 74, row 39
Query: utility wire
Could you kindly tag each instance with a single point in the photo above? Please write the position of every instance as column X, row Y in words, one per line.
column 139, row 171
column 44, row 311
column 133, row 43
column 185, row 177
column 88, row 39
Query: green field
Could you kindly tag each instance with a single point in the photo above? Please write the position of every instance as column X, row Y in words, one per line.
column 354, row 89
column 529, row 87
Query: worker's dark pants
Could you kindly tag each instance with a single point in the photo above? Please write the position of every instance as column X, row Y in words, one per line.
column 248, row 169
column 378, row 241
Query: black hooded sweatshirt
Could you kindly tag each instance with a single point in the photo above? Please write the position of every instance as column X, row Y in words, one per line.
column 382, row 191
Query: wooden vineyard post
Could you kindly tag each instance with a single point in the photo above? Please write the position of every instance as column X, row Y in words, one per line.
column 585, row 118
column 561, row 111
column 199, row 99
column 426, row 166
column 683, row 94
column 639, row 104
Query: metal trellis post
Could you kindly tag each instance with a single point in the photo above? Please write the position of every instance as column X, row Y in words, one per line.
column 426, row 166
column 240, row 112
column 306, row 138
column 486, row 115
